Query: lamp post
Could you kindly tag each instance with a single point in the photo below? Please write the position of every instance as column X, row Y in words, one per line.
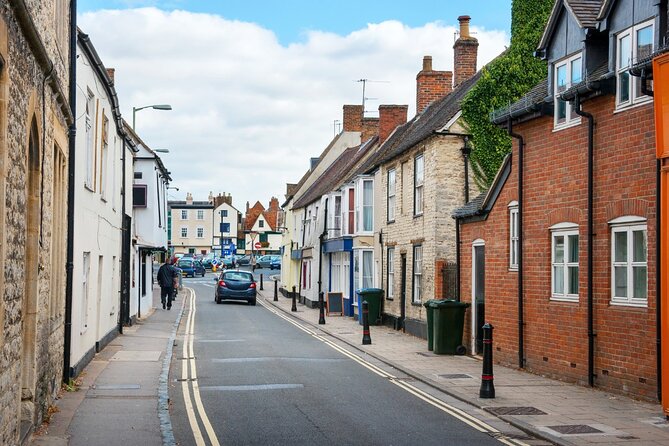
column 155, row 107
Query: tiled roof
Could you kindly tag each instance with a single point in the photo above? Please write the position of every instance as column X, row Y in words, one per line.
column 471, row 208
column 585, row 11
column 422, row 126
column 527, row 103
column 252, row 215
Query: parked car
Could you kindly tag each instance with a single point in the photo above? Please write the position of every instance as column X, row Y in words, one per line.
column 235, row 285
column 263, row 261
column 191, row 267
column 275, row 263
column 209, row 261
column 229, row 262
column 243, row 260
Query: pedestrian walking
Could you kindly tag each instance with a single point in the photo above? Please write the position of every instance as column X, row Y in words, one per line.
column 166, row 278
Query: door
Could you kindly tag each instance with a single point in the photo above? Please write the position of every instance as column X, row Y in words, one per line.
column 478, row 294
column 403, row 291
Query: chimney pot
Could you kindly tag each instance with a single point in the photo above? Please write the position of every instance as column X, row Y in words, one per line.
column 427, row 63
column 465, row 52
column 464, row 26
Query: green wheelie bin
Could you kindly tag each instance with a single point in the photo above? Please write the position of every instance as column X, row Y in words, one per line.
column 373, row 297
column 429, row 311
column 449, row 322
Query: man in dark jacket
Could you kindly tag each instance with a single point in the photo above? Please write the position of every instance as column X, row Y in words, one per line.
column 166, row 275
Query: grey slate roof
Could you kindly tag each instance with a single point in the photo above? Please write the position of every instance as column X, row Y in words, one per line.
column 471, row 208
column 531, row 101
column 585, row 11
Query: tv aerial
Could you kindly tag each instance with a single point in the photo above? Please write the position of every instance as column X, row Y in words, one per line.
column 364, row 85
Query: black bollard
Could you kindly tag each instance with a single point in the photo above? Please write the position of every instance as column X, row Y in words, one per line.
column 366, row 338
column 321, row 309
column 294, row 307
column 487, row 385
column 276, row 290
column 261, row 288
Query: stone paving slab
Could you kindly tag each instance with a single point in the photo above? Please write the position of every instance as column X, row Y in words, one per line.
column 621, row 420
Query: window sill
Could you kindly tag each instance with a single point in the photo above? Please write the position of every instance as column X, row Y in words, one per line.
column 627, row 303
column 564, row 299
column 639, row 103
column 89, row 187
column 390, row 298
column 417, row 215
column 568, row 125
column 513, row 269
column 416, row 304
column 390, row 221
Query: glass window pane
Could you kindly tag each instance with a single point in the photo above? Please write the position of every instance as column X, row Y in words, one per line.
column 560, row 78
column 620, row 281
column 640, row 278
column 644, row 42
column 572, row 272
column 640, row 246
column 419, row 170
column 573, row 248
column 576, row 71
column 561, row 110
column 558, row 279
column 620, row 248
column 558, row 249
column 624, row 87
column 624, row 51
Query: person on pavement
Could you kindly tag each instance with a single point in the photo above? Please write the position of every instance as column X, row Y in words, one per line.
column 166, row 276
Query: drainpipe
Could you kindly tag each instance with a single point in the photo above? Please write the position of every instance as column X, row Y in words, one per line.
column 466, row 150
column 320, row 247
column 299, row 284
column 72, row 132
column 521, row 319
column 591, row 332
column 457, row 259
column 658, row 276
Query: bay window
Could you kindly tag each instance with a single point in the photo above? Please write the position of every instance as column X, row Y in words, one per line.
column 633, row 44
column 568, row 72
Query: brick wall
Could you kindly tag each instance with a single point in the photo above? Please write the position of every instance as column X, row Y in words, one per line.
column 431, row 85
column 352, row 118
column 555, row 190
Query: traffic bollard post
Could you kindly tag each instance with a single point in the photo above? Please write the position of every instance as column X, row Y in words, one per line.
column 261, row 287
column 321, row 309
column 294, row 307
column 366, row 338
column 276, row 290
column 487, row 384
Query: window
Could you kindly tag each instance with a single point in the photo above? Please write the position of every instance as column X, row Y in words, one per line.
column 513, row 235
column 568, row 72
column 261, row 224
column 90, row 154
column 336, row 272
column 350, row 228
column 336, row 216
column 200, row 232
column 184, row 232
column 418, row 172
column 225, row 227
column 104, row 156
column 629, row 267
column 139, row 196
column 366, row 222
column 184, row 214
column 224, row 213
column 633, row 44
column 391, row 195
column 84, row 290
column 137, row 175
column 417, row 273
column 200, row 214
column 262, row 238
column 564, row 271
column 390, row 279
column 367, row 269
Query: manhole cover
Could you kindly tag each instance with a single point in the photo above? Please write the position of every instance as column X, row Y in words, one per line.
column 575, row 429
column 455, row 376
column 517, row 411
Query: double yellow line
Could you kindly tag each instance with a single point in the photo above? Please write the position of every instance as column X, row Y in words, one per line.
column 453, row 411
column 189, row 381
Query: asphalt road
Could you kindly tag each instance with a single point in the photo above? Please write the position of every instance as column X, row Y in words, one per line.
column 264, row 381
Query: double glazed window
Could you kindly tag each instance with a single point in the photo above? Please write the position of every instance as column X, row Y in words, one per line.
column 568, row 72
column 564, row 270
column 419, row 173
column 513, row 235
column 391, row 195
column 633, row 45
column 629, row 267
column 390, row 280
column 417, row 273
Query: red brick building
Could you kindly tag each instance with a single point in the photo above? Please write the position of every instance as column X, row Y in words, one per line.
column 559, row 254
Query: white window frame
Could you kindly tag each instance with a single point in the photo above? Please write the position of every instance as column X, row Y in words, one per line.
column 184, row 232
column 570, row 117
column 564, row 230
column 513, row 236
column 634, row 92
column 347, row 211
column 200, row 214
column 104, row 155
column 417, row 274
column 85, row 290
column 184, row 214
column 336, row 215
column 199, row 232
column 418, row 185
column 90, row 155
column 390, row 275
column 628, row 225
column 361, row 207
column 391, row 193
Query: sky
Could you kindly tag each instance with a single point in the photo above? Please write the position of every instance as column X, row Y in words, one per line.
column 257, row 87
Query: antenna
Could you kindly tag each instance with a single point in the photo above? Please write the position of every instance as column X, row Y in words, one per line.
column 364, row 84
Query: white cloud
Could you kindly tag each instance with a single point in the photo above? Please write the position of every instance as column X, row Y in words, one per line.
column 248, row 113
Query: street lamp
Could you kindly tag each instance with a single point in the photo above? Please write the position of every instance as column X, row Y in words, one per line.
column 155, row 107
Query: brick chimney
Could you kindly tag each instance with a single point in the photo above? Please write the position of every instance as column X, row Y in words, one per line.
column 431, row 85
column 370, row 128
column 464, row 53
column 110, row 73
column 353, row 118
column 273, row 204
column 390, row 116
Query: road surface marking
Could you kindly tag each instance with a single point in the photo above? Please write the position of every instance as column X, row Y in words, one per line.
column 273, row 358
column 192, row 419
column 244, row 388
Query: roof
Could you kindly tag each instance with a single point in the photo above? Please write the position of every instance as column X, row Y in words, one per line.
column 194, row 205
column 422, row 126
column 336, row 173
column 479, row 207
column 533, row 100
column 252, row 215
column 584, row 11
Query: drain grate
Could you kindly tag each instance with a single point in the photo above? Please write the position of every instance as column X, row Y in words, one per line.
column 518, row 410
column 575, row 429
column 455, row 376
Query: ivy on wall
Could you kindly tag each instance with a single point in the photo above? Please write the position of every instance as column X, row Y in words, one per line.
column 503, row 81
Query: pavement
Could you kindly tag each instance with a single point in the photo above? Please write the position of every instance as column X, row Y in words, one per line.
column 122, row 396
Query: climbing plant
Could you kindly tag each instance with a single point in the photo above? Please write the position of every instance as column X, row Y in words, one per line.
column 503, row 81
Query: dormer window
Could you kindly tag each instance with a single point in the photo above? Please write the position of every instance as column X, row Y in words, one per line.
column 568, row 72
column 633, row 44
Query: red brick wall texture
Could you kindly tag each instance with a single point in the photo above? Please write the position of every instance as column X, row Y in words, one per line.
column 555, row 190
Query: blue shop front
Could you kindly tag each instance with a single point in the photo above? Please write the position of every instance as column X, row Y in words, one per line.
column 338, row 253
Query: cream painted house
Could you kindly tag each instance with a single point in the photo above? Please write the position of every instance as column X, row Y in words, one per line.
column 191, row 226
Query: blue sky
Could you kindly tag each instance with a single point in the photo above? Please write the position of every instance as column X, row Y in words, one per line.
column 290, row 18
column 257, row 87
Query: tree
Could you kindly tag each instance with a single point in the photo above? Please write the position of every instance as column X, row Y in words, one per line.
column 503, row 81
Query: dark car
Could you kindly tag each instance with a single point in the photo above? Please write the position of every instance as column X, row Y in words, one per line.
column 191, row 267
column 236, row 285
column 208, row 262
column 243, row 260
column 275, row 263
column 229, row 262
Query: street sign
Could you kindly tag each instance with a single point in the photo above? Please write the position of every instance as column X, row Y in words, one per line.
column 258, row 245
